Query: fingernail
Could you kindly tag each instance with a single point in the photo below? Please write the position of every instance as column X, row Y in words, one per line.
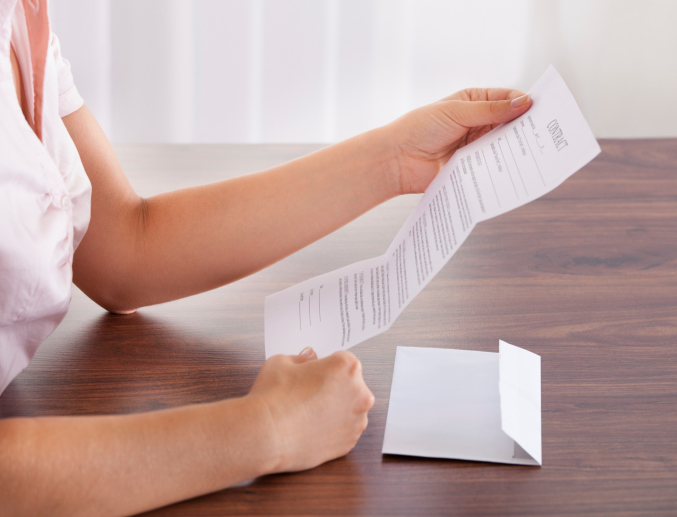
column 307, row 351
column 520, row 101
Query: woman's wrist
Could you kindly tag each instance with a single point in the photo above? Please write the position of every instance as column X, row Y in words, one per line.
column 269, row 453
column 384, row 143
column 372, row 159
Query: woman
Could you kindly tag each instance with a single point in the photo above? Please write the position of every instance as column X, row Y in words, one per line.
column 133, row 252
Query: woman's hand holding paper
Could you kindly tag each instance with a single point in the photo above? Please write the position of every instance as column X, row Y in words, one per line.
column 427, row 137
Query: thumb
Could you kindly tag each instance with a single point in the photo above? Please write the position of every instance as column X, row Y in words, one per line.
column 307, row 354
column 484, row 113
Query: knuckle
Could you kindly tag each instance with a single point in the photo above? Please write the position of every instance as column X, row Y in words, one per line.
column 345, row 359
column 366, row 401
column 276, row 359
column 356, row 367
column 277, row 362
column 364, row 423
column 469, row 94
column 497, row 106
column 371, row 400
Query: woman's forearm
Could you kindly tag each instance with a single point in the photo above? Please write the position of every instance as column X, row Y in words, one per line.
column 120, row 465
column 140, row 252
column 208, row 236
column 300, row 413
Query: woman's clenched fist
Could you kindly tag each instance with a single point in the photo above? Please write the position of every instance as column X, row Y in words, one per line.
column 318, row 408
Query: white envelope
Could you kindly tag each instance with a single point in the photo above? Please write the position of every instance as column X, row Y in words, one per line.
column 466, row 405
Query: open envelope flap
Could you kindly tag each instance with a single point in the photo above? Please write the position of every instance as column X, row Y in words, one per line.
column 519, row 386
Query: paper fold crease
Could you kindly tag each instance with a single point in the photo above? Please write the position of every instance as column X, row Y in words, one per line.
column 519, row 386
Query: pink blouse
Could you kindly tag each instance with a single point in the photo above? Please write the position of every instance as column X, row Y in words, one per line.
column 44, row 191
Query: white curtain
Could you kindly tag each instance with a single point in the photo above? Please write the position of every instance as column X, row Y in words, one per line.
column 323, row 70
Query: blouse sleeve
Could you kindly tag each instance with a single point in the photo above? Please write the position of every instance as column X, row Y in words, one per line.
column 69, row 98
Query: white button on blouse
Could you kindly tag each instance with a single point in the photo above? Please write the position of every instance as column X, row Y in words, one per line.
column 44, row 191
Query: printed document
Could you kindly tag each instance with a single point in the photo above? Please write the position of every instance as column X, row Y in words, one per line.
column 512, row 165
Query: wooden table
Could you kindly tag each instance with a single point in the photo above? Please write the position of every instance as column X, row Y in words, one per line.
column 586, row 277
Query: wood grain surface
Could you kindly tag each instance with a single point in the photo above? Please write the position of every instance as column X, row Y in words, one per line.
column 586, row 277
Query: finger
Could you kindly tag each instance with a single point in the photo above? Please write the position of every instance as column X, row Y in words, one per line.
column 307, row 354
column 485, row 94
column 500, row 94
column 513, row 94
column 484, row 113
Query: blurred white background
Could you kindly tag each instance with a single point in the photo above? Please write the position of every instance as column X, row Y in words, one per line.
column 323, row 70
